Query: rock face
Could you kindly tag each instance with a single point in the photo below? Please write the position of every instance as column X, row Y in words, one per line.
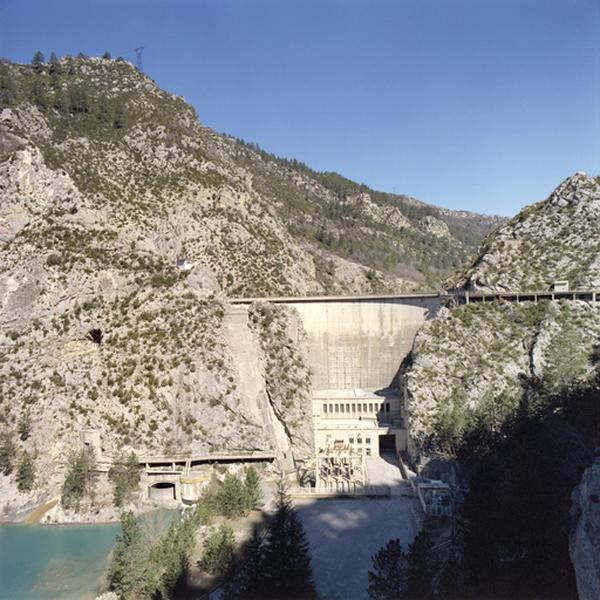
column 584, row 543
column 124, row 226
column 556, row 239
column 479, row 359
column 469, row 355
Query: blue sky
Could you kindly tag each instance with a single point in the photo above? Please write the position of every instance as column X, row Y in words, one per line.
column 483, row 105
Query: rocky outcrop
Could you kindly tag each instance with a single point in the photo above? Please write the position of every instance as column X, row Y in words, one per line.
column 478, row 360
column 556, row 239
column 584, row 543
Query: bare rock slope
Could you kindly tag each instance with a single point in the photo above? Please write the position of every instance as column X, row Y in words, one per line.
column 556, row 239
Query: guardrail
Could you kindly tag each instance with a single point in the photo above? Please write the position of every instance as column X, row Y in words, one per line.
column 361, row 491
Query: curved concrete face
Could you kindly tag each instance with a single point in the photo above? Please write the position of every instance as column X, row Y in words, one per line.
column 162, row 492
column 361, row 343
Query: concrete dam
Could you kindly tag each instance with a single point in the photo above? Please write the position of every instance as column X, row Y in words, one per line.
column 355, row 346
column 358, row 342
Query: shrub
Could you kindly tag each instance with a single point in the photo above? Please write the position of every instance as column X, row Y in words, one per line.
column 80, row 479
column 25, row 473
column 218, row 551
column 125, row 476
column 7, row 452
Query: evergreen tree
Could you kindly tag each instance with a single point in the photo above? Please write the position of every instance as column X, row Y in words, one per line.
column 567, row 360
column 232, row 497
column 418, row 570
column 55, row 68
column 249, row 583
column 287, row 570
column 38, row 61
column 172, row 554
column 120, row 118
column 80, row 479
column 78, row 100
column 105, row 110
column 387, row 579
column 25, row 473
column 125, row 476
column 449, row 587
column 132, row 574
column 7, row 452
column 252, row 489
column 107, row 56
column 218, row 551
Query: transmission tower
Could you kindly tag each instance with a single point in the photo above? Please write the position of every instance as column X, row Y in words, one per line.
column 138, row 58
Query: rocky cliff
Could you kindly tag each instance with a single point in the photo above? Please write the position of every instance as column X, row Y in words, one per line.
column 125, row 224
column 556, row 239
column 585, row 534
column 483, row 377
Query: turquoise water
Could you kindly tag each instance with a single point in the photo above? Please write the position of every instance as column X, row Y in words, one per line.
column 60, row 562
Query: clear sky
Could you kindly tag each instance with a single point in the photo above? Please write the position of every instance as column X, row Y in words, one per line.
column 484, row 105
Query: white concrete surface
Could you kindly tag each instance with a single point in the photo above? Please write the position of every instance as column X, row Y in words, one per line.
column 384, row 470
column 344, row 534
column 361, row 344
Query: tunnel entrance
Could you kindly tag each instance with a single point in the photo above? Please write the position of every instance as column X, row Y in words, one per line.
column 387, row 443
column 96, row 336
column 163, row 491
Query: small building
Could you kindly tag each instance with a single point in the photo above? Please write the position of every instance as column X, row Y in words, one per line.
column 560, row 285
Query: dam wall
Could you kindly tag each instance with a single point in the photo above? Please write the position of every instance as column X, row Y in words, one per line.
column 359, row 342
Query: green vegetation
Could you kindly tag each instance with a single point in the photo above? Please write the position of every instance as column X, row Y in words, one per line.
column 237, row 498
column 25, row 472
column 8, row 450
column 516, row 516
column 125, row 476
column 142, row 567
column 80, row 480
column 217, row 557
column 279, row 567
column 396, row 575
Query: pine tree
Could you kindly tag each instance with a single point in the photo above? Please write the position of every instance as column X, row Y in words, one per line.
column 249, row 583
column 37, row 94
column 105, row 110
column 107, row 56
column 80, row 479
column 218, row 551
column 287, row 569
column 418, row 572
column 132, row 574
column 38, row 61
column 125, row 476
column 55, row 68
column 25, row 473
column 387, row 579
column 252, row 489
column 232, row 497
column 7, row 452
column 78, row 100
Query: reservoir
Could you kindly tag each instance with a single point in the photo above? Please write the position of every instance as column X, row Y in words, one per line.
column 60, row 562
